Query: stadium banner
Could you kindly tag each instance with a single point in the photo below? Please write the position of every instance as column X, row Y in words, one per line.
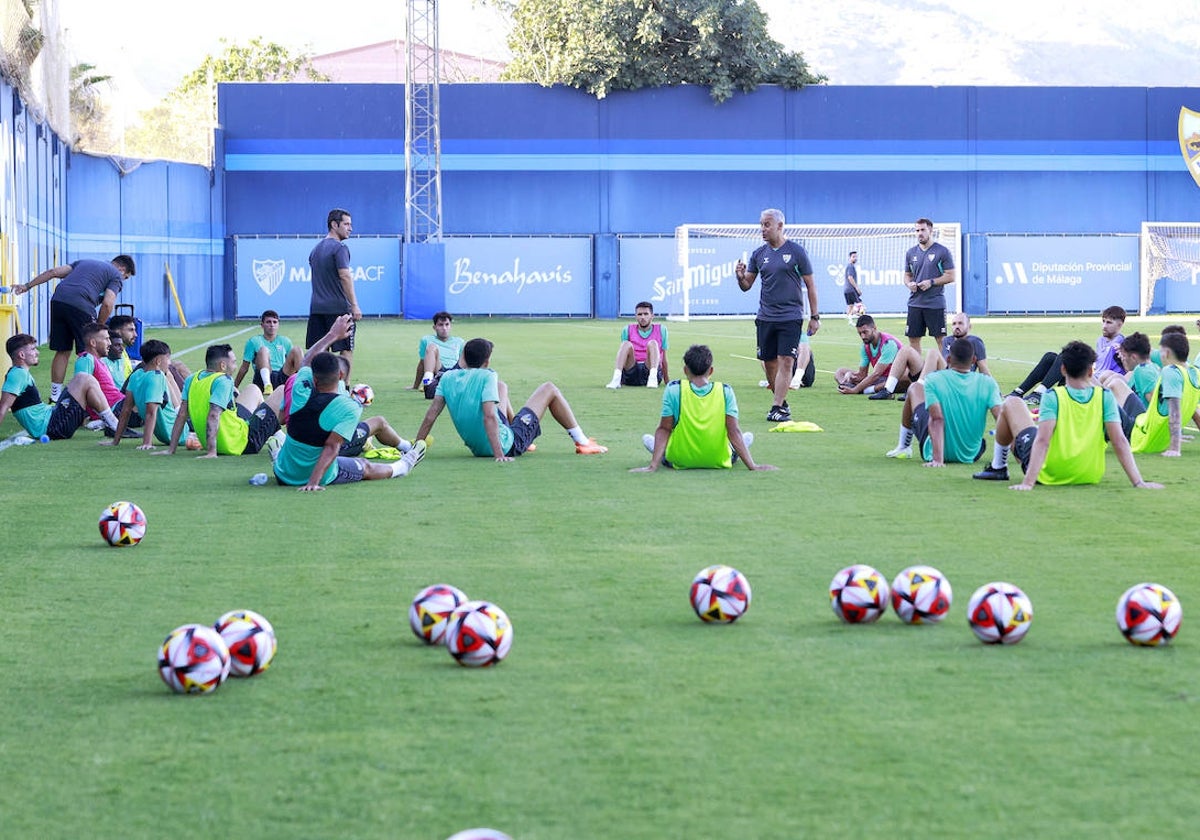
column 273, row 273
column 1062, row 273
column 650, row 271
column 519, row 275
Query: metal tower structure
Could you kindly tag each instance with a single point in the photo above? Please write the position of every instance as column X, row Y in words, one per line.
column 422, row 125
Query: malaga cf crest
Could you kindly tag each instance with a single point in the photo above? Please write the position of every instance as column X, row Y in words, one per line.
column 268, row 274
column 1189, row 141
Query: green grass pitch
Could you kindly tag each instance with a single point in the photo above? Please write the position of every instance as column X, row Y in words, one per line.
column 617, row 712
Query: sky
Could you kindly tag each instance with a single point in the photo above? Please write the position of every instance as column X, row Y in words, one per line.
column 149, row 45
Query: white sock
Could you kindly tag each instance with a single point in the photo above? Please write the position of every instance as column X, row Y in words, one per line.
column 404, row 445
column 56, row 389
column 906, row 436
column 616, row 380
column 110, row 419
column 1000, row 457
column 892, row 382
column 399, row 469
column 426, row 378
column 1040, row 389
column 870, row 389
column 653, row 381
column 266, row 376
column 577, row 434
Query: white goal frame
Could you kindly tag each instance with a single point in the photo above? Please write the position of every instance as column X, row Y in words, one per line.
column 903, row 234
column 1147, row 256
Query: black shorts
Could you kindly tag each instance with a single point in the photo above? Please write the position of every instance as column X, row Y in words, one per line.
column 263, row 422
column 1129, row 413
column 278, row 377
column 638, row 376
column 852, row 297
column 525, row 428
column 431, row 388
column 136, row 421
column 319, row 323
column 921, row 320
column 349, row 470
column 777, row 338
column 66, row 326
column 1022, row 446
column 358, row 440
column 920, row 427
column 68, row 415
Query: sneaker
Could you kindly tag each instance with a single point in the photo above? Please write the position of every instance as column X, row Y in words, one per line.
column 883, row 394
column 1014, row 393
column 129, row 434
column 990, row 473
column 95, row 425
column 615, row 384
column 274, row 444
column 902, row 452
column 268, row 389
column 648, row 442
column 1034, row 398
column 762, row 383
column 590, row 448
column 411, row 458
column 778, row 414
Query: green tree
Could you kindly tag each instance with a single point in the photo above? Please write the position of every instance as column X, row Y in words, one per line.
column 89, row 115
column 605, row 45
column 255, row 62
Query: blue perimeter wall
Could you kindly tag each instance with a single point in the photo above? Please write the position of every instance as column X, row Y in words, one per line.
column 523, row 160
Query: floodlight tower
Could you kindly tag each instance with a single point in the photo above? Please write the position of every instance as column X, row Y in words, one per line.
column 422, row 125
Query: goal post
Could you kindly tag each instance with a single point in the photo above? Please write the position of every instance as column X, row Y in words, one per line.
column 707, row 254
column 1169, row 278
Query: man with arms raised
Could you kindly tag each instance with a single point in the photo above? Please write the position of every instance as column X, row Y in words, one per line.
column 787, row 279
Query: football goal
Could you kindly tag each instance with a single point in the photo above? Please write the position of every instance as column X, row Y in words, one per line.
column 1170, row 267
column 706, row 256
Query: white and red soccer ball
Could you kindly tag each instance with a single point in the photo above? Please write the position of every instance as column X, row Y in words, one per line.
column 859, row 594
column 921, row 595
column 1149, row 614
column 478, row 634
column 363, row 394
column 122, row 524
column 999, row 613
column 193, row 659
column 720, row 594
column 429, row 612
column 250, row 639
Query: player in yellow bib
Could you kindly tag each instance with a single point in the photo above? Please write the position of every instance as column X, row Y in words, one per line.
column 1157, row 425
column 1066, row 444
column 699, row 426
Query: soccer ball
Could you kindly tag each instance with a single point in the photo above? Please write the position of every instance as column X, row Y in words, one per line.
column 480, row 834
column 921, row 595
column 999, row 613
column 720, row 594
column 1149, row 614
column 122, row 523
column 251, row 641
column 193, row 659
column 859, row 594
column 430, row 610
column 478, row 634
column 363, row 394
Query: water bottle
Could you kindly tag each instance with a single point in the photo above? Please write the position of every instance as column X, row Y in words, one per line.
column 258, row 479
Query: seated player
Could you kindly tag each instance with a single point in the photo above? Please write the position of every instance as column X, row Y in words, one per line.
column 152, row 391
column 224, row 423
column 20, row 395
column 1141, row 374
column 273, row 356
column 117, row 360
column 876, row 355
column 483, row 415
column 641, row 358
column 1156, row 425
column 699, row 426
column 947, row 411
column 1065, row 445
column 322, row 419
column 436, row 354
column 126, row 325
column 1047, row 373
column 908, row 366
column 90, row 361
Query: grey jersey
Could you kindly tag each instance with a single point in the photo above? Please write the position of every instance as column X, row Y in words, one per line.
column 928, row 265
column 85, row 286
column 328, row 297
column 781, row 296
column 976, row 342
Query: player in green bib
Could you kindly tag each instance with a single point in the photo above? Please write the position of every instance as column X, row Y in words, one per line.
column 1156, row 425
column 947, row 411
column 699, row 425
column 152, row 391
column 1066, row 444
column 272, row 355
column 225, row 421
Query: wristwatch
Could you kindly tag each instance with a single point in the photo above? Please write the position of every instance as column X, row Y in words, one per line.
column 814, row 317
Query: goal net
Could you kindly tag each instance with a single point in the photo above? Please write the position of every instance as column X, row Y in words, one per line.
column 1170, row 267
column 706, row 256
